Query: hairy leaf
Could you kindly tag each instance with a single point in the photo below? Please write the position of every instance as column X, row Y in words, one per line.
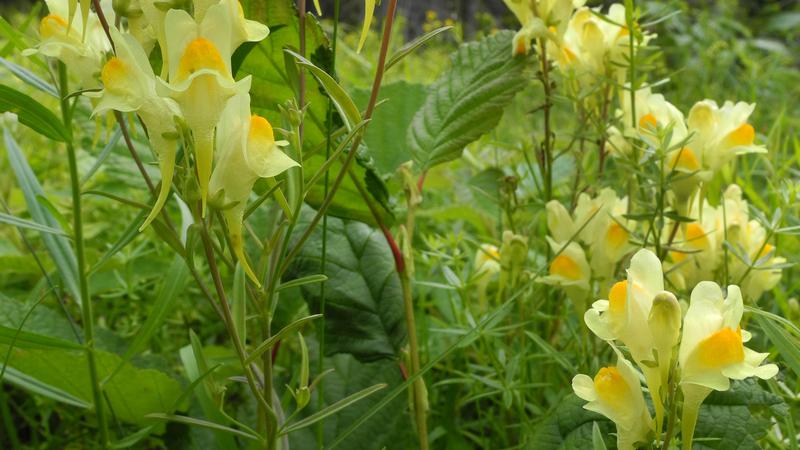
column 737, row 418
column 467, row 100
column 364, row 309
column 570, row 426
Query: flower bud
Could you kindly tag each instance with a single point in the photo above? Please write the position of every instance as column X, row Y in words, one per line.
column 665, row 322
column 514, row 251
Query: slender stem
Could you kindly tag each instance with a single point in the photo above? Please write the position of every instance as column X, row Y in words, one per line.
column 228, row 319
column 376, row 85
column 406, row 273
column 86, row 302
column 419, row 384
column 324, row 257
column 547, row 144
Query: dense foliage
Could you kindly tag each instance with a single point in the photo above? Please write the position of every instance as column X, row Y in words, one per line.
column 234, row 224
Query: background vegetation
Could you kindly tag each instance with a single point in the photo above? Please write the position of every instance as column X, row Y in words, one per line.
column 507, row 382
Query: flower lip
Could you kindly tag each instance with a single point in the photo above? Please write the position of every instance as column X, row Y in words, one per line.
column 566, row 267
column 721, row 349
column 200, row 54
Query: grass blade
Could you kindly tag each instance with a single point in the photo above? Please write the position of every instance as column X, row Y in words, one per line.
column 334, row 408
column 22, row 223
column 58, row 246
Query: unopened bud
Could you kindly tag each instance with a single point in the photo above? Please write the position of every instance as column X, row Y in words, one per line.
column 514, row 251
column 665, row 322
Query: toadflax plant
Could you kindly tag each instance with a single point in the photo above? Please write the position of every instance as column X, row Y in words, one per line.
column 282, row 235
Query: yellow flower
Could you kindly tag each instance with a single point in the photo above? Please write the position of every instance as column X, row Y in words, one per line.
column 200, row 79
column 625, row 317
column 63, row 38
column 247, row 151
column 569, row 270
column 698, row 247
column 487, row 261
column 615, row 392
column 712, row 350
column 595, row 45
column 750, row 238
column 722, row 133
column 129, row 85
column 539, row 18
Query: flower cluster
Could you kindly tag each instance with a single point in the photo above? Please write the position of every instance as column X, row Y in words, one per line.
column 699, row 250
column 599, row 225
column 700, row 352
column 195, row 96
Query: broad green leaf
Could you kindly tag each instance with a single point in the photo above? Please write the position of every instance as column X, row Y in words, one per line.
column 364, row 310
column 22, row 223
column 63, row 374
column 58, row 246
column 33, row 114
column 737, row 418
column 391, row 427
column 273, row 85
column 569, row 426
column 466, row 101
column 386, row 135
column 133, row 393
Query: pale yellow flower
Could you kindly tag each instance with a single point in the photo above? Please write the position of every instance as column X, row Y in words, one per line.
column 722, row 133
column 247, row 151
column 200, row 79
column 712, row 350
column 64, row 39
column 616, row 393
column 626, row 314
column 129, row 85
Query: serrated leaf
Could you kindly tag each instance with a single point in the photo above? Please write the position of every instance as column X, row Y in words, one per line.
column 364, row 309
column 570, row 426
column 737, row 418
column 466, row 101
column 32, row 114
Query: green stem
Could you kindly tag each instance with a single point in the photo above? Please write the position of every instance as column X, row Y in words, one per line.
column 406, row 273
column 547, row 144
column 229, row 325
column 373, row 99
column 324, row 257
column 86, row 302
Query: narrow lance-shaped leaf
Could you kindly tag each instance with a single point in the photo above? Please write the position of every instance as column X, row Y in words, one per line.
column 58, row 246
column 32, row 114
